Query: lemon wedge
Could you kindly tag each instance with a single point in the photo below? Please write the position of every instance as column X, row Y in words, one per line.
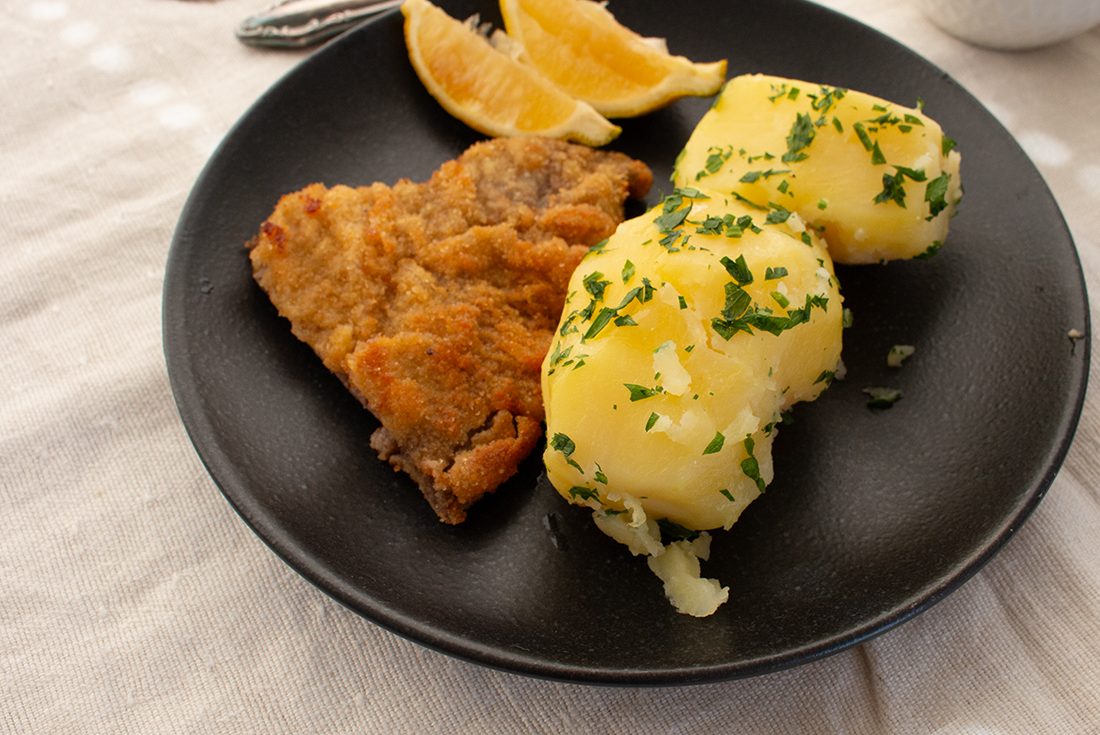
column 580, row 46
column 487, row 88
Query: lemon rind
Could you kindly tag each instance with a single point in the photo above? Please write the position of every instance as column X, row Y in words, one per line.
column 685, row 78
column 585, row 125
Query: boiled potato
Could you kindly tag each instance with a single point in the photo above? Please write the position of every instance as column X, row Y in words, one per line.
column 684, row 338
column 877, row 180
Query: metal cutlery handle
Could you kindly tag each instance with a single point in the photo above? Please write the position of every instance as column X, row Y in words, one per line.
column 298, row 23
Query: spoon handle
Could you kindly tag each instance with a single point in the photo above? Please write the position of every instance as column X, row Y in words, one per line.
column 298, row 23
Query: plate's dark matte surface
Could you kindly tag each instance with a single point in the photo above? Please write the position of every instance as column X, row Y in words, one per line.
column 872, row 517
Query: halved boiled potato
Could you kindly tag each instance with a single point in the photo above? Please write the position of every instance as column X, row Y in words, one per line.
column 879, row 181
column 683, row 340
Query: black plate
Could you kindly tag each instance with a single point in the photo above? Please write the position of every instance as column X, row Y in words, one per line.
column 873, row 516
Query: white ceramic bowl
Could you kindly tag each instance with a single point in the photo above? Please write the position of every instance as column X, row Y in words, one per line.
column 1012, row 24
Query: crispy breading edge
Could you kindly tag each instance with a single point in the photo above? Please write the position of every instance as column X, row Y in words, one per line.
column 508, row 438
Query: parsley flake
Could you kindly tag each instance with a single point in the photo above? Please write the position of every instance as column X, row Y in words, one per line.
column 738, row 270
column 935, row 193
column 640, row 393
column 674, row 531
column 864, row 138
column 882, row 397
column 669, row 221
column 595, row 286
column 628, row 271
column 801, row 135
column 625, row 321
column 897, row 354
column 932, row 250
column 716, row 158
column 716, row 444
column 563, row 444
column 893, row 190
column 584, row 493
column 877, row 158
column 777, row 216
column 745, row 200
column 751, row 467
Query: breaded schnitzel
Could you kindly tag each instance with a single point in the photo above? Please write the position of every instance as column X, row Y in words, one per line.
column 435, row 303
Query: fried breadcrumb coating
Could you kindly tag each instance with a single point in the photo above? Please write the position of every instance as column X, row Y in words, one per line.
column 435, row 303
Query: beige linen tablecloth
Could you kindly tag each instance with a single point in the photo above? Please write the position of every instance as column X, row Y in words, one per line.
column 132, row 597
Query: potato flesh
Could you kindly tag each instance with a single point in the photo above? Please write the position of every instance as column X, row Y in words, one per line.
column 834, row 188
column 654, row 457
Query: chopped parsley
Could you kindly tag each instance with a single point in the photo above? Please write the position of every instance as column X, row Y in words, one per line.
column 772, row 274
column 935, row 193
column 595, row 286
column 916, row 174
column 607, row 313
column 711, row 226
column 882, row 397
column 739, row 317
column 674, row 531
column 716, row 158
column 801, row 135
column 738, row 270
column 563, row 444
column 897, row 355
column 864, row 138
column 828, row 98
column 745, row 200
column 625, row 321
column 584, row 493
column 932, row 250
column 777, row 216
column 640, row 393
column 669, row 221
column 877, row 157
column 716, row 444
column 628, row 271
column 750, row 466
column 893, row 190
column 602, row 319
column 558, row 356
